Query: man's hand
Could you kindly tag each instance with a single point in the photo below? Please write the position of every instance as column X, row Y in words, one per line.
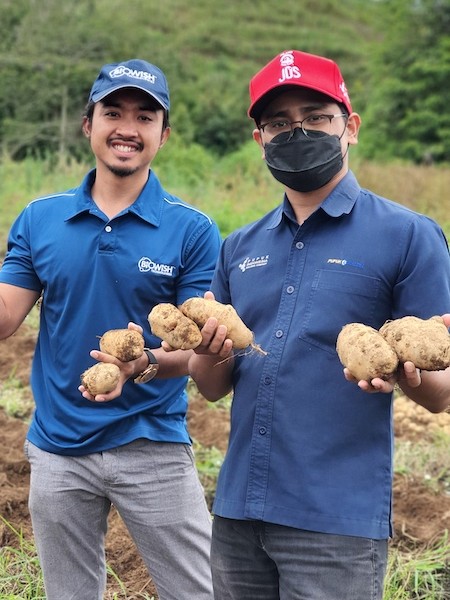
column 406, row 374
column 128, row 370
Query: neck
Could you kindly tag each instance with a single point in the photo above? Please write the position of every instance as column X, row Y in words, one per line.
column 113, row 194
column 305, row 203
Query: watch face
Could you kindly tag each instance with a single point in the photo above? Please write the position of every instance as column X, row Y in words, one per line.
column 147, row 374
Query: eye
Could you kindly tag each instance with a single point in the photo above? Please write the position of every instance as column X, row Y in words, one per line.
column 278, row 124
column 316, row 120
column 111, row 113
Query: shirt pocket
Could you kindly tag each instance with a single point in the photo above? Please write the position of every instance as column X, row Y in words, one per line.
column 335, row 299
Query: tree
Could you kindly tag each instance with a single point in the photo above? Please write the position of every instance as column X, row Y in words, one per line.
column 408, row 115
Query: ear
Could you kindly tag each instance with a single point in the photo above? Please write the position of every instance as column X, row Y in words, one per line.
column 353, row 125
column 257, row 137
column 164, row 136
column 86, row 127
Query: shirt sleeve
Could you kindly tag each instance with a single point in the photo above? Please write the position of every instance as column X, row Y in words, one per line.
column 17, row 268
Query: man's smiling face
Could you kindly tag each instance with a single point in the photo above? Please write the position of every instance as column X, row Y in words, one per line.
column 126, row 131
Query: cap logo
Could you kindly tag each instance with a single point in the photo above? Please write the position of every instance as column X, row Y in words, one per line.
column 344, row 91
column 122, row 71
column 288, row 69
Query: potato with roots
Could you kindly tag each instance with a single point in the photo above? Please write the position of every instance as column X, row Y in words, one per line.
column 365, row 352
column 201, row 309
column 102, row 378
column 425, row 342
column 124, row 344
column 171, row 325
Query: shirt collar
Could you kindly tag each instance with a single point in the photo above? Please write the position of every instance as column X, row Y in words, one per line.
column 340, row 201
column 147, row 206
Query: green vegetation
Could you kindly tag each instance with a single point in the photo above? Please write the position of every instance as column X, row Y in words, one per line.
column 421, row 575
column 395, row 56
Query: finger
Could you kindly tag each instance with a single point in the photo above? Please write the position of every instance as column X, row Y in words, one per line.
column 103, row 357
column 348, row 376
column 412, row 374
column 167, row 347
column 135, row 326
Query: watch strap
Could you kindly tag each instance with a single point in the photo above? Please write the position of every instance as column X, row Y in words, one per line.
column 150, row 371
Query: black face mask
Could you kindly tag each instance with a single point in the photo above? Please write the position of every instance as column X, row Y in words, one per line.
column 304, row 163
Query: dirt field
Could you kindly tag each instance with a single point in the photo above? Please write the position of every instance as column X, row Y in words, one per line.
column 420, row 515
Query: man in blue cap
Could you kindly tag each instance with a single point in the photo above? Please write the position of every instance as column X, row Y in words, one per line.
column 101, row 256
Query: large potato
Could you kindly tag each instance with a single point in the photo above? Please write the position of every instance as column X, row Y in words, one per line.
column 365, row 353
column 425, row 342
column 201, row 309
column 124, row 344
column 102, row 378
column 171, row 325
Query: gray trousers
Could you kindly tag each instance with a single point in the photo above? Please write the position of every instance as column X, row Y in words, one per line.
column 155, row 489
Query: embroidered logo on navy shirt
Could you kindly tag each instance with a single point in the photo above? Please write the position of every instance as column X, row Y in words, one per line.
column 147, row 265
column 251, row 263
column 343, row 262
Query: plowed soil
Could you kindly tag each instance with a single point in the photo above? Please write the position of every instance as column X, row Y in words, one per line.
column 420, row 514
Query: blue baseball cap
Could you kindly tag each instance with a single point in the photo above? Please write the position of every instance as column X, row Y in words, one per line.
column 133, row 73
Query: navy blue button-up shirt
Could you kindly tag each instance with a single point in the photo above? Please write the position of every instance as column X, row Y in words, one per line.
column 307, row 448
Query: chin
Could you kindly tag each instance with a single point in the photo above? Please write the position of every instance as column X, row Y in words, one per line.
column 122, row 171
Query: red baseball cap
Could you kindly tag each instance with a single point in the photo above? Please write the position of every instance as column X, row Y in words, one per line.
column 294, row 68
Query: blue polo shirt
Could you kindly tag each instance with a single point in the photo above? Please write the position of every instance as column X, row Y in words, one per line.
column 98, row 274
column 307, row 448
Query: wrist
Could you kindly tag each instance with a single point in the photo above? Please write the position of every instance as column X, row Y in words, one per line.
column 150, row 370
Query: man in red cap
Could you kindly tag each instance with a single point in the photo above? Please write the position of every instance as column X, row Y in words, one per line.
column 303, row 502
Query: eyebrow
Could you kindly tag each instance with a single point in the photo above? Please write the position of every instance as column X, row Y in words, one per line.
column 305, row 109
column 150, row 106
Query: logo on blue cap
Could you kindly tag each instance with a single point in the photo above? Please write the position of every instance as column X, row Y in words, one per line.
column 135, row 74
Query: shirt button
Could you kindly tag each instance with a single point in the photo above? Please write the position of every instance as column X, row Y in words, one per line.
column 262, row 430
column 290, row 289
column 299, row 245
column 267, row 380
column 279, row 333
column 108, row 229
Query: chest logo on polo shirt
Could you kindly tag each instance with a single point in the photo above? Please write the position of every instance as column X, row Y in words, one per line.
column 147, row 265
column 251, row 263
column 343, row 262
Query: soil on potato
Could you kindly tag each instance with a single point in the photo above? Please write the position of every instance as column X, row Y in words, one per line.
column 420, row 515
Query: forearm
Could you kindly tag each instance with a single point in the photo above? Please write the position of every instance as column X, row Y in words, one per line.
column 212, row 375
column 172, row 364
column 15, row 304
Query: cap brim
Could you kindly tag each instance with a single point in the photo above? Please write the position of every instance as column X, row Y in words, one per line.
column 257, row 108
column 96, row 97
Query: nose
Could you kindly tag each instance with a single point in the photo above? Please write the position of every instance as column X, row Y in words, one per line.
column 126, row 127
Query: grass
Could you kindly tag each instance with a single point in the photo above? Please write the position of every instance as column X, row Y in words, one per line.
column 421, row 575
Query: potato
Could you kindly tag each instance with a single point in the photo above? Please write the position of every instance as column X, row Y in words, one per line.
column 200, row 309
column 171, row 325
column 365, row 353
column 101, row 378
column 124, row 344
column 425, row 342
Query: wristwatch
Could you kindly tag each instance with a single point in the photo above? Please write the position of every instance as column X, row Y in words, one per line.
column 150, row 372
